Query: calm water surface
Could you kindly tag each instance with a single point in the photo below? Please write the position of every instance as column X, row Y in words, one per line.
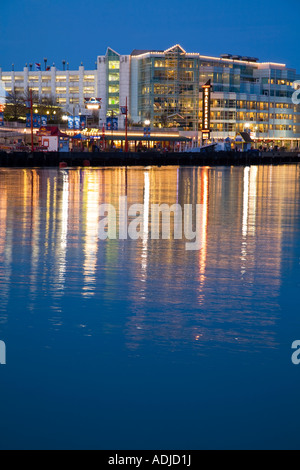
column 142, row 344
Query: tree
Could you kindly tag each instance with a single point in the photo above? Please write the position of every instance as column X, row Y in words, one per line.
column 16, row 109
column 15, row 106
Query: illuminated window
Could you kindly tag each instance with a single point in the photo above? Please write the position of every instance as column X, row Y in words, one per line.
column 89, row 89
column 74, row 89
column 61, row 90
column 113, row 77
column 113, row 89
column 113, row 101
column 89, row 78
column 61, row 78
column 6, row 79
column 113, row 65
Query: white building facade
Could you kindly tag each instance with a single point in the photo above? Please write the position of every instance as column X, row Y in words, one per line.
column 165, row 87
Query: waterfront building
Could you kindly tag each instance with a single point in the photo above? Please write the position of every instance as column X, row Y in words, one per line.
column 165, row 88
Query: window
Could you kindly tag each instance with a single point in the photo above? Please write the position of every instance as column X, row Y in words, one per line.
column 113, row 77
column 89, row 89
column 113, row 101
column 113, row 89
column 114, row 65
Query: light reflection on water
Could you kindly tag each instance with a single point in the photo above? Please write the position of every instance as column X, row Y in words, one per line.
column 71, row 300
column 224, row 294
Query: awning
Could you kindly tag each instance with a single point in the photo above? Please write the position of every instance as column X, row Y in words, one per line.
column 141, row 138
column 80, row 137
column 246, row 137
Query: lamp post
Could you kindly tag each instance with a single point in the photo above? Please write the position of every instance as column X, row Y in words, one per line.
column 30, row 105
column 45, row 61
column 147, row 133
column 126, row 126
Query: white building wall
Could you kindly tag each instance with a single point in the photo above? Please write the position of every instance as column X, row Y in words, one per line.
column 102, row 87
column 81, row 97
column 134, row 113
column 53, row 81
column 124, row 85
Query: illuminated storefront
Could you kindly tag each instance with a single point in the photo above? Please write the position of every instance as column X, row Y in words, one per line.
column 164, row 88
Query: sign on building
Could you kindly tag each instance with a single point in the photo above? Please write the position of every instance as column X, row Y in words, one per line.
column 112, row 124
column 38, row 120
column 44, row 120
column 147, row 132
column 82, row 122
column 206, row 110
column 70, row 122
column 77, row 122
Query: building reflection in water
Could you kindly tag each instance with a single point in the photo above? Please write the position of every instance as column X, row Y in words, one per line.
column 225, row 295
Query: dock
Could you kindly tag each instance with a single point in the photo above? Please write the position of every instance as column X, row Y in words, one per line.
column 116, row 159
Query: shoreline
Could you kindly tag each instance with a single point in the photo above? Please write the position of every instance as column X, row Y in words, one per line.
column 117, row 159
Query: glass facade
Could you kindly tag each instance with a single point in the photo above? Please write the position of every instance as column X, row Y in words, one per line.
column 113, row 81
column 165, row 88
column 168, row 90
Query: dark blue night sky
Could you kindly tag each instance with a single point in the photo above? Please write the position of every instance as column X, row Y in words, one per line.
column 78, row 30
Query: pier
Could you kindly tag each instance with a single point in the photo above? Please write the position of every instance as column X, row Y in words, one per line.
column 113, row 159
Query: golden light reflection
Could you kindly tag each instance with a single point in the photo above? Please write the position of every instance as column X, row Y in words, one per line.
column 92, row 198
column 5, row 250
column 204, row 226
column 225, row 294
column 33, row 205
